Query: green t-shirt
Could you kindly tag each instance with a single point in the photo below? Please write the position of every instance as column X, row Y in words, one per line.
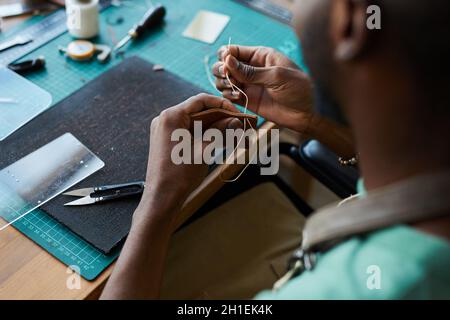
column 394, row 263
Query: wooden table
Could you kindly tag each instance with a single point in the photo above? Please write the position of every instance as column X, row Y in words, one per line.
column 29, row 272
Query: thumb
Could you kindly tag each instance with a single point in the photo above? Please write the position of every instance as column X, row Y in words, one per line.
column 248, row 74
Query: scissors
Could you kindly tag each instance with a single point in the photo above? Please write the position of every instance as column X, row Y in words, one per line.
column 105, row 193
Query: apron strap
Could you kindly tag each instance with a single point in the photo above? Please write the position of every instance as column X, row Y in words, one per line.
column 419, row 198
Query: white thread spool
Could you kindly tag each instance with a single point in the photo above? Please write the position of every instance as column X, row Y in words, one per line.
column 82, row 18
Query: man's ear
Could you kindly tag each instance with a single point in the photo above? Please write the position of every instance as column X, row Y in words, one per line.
column 348, row 28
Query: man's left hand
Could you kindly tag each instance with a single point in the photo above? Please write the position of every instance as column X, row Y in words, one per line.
column 169, row 182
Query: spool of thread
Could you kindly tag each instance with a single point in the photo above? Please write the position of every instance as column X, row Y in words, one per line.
column 82, row 18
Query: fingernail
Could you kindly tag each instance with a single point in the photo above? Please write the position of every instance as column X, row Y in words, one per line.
column 222, row 71
column 232, row 62
column 234, row 124
column 224, row 54
column 228, row 104
column 226, row 83
column 235, row 94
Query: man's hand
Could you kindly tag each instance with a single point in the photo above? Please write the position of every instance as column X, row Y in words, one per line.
column 138, row 271
column 169, row 182
column 277, row 89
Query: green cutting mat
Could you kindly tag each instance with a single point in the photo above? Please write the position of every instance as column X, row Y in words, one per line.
column 167, row 47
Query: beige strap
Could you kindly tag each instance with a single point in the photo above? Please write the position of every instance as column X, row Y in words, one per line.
column 412, row 200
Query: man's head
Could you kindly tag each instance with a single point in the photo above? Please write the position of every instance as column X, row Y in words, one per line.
column 337, row 42
column 392, row 83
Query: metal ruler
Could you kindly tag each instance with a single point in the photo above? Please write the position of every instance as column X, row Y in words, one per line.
column 41, row 32
column 268, row 8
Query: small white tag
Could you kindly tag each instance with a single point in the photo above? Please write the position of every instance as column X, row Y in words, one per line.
column 206, row 26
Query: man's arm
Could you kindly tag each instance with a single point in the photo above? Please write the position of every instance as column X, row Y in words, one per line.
column 138, row 272
column 139, row 269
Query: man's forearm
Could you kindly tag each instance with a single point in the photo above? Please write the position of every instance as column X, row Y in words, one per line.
column 139, row 269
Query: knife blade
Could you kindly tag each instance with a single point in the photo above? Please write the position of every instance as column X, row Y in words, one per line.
column 81, row 202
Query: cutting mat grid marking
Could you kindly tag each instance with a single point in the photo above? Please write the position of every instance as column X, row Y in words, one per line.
column 182, row 56
column 56, row 238
column 76, row 247
column 177, row 54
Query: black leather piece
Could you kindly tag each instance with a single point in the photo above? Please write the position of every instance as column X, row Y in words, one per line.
column 111, row 115
column 323, row 164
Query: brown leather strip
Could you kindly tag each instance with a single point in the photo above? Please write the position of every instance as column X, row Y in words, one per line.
column 210, row 116
column 418, row 198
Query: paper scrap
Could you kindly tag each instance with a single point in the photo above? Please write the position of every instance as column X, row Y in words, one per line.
column 206, row 26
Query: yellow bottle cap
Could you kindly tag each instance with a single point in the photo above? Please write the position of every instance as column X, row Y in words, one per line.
column 80, row 50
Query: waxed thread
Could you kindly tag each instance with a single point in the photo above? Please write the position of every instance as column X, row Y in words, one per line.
column 235, row 88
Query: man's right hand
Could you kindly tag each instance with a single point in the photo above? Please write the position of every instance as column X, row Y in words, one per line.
column 277, row 89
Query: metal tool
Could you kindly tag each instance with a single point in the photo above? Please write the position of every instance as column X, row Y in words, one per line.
column 16, row 41
column 105, row 193
column 83, row 50
column 28, row 65
column 152, row 18
column 41, row 32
